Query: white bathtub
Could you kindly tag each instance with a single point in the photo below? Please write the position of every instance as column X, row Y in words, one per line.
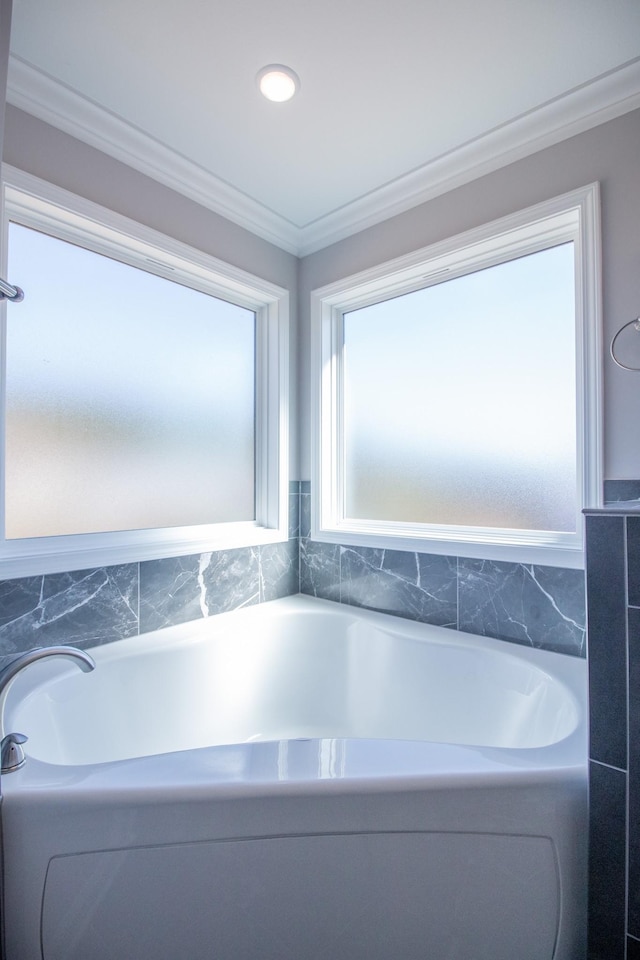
column 294, row 781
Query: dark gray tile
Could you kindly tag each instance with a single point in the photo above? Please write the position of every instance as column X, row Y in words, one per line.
column 533, row 605
column 606, row 628
column 634, row 773
column 617, row 491
column 633, row 948
column 607, row 821
column 279, row 570
column 416, row 586
column 320, row 569
column 633, row 559
column 305, row 486
column 85, row 608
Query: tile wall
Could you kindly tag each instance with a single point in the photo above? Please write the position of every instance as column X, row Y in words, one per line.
column 613, row 604
column 529, row 604
column 91, row 607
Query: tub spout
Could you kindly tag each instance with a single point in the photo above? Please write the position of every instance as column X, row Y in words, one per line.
column 12, row 754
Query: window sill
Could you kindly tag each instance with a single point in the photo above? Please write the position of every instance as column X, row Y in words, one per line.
column 33, row 558
column 507, row 546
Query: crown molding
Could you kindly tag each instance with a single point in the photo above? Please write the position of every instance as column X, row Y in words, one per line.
column 588, row 106
column 58, row 105
column 585, row 107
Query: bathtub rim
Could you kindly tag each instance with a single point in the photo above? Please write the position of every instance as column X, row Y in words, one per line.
column 381, row 764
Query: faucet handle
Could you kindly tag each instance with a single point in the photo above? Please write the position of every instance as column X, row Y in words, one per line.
column 11, row 751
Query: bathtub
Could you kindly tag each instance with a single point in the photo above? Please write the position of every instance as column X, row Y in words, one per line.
column 294, row 781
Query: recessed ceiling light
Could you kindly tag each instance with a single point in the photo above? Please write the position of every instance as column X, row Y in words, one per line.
column 277, row 82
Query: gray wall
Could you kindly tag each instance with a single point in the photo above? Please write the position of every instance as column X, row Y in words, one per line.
column 5, row 31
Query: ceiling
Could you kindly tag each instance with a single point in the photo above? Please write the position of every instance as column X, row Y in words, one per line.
column 400, row 99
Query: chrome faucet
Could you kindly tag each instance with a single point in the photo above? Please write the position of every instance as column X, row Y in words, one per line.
column 11, row 745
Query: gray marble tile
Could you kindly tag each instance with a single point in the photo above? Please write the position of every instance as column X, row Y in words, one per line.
column 533, row 605
column 231, row 579
column 416, row 586
column 305, row 513
column 85, row 608
column 18, row 598
column 320, row 569
column 294, row 515
column 170, row 592
column 279, row 570
column 188, row 588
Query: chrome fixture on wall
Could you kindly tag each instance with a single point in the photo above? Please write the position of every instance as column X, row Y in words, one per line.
column 635, row 323
column 9, row 292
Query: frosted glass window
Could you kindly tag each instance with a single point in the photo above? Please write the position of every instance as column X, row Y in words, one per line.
column 130, row 398
column 459, row 400
column 457, row 392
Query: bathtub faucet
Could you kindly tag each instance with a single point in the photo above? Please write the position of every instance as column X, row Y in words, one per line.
column 11, row 745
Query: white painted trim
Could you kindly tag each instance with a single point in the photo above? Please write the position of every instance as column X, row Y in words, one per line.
column 34, row 202
column 70, row 553
column 587, row 106
column 66, row 214
column 56, row 104
column 601, row 100
column 575, row 216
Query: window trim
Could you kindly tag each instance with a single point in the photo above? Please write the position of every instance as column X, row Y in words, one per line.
column 572, row 216
column 35, row 203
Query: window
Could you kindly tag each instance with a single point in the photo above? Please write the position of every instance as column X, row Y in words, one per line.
column 457, row 393
column 145, row 399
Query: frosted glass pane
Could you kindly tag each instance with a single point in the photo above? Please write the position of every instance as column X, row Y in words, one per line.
column 460, row 400
column 130, row 398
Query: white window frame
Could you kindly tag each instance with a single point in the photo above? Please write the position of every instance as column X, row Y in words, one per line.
column 573, row 217
column 35, row 203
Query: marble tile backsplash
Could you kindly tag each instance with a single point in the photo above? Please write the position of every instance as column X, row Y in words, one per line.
column 188, row 588
column 540, row 606
column 536, row 605
column 87, row 607
column 91, row 607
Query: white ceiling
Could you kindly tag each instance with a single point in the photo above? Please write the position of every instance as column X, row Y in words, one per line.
column 399, row 99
